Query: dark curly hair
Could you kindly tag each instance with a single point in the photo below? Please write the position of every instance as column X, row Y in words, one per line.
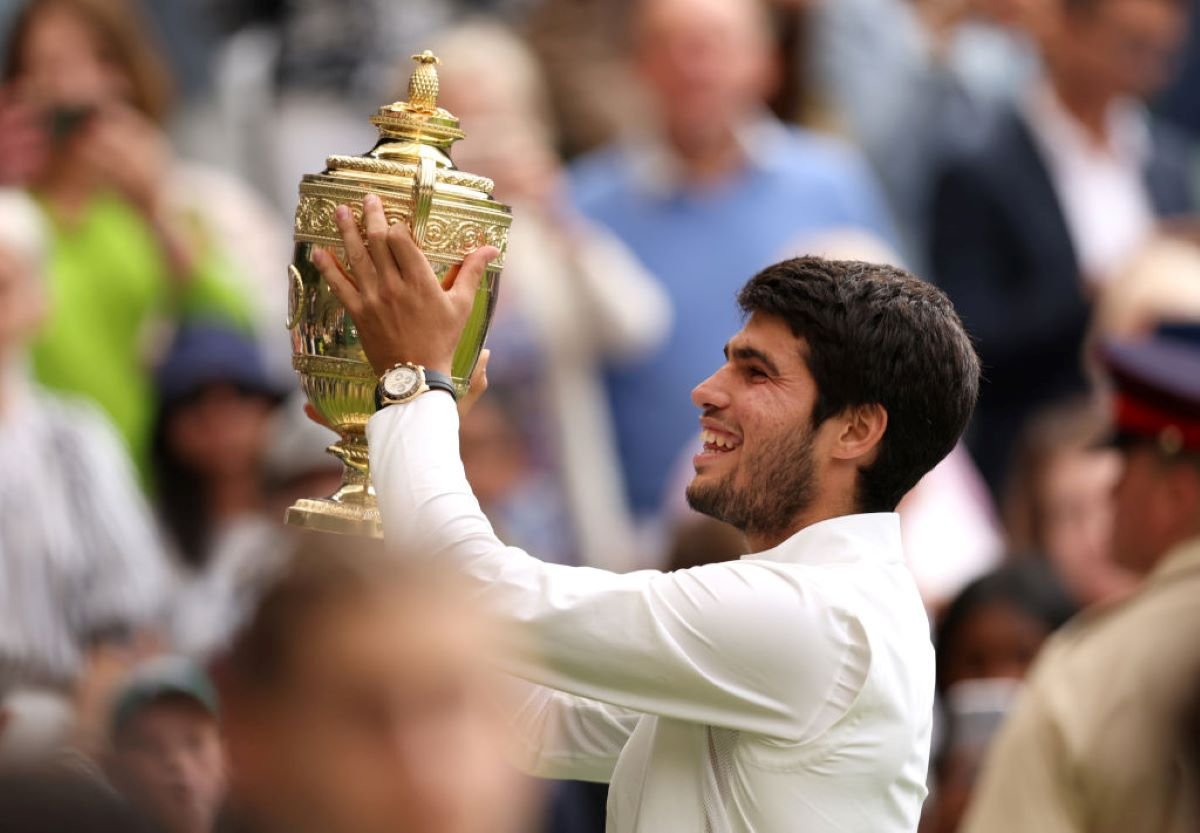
column 877, row 334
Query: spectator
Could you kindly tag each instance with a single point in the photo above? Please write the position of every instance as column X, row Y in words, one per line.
column 574, row 299
column 165, row 755
column 1092, row 744
column 357, row 699
column 210, row 440
column 120, row 258
column 1059, row 503
column 987, row 638
column 713, row 190
column 62, row 801
column 1030, row 221
column 81, row 570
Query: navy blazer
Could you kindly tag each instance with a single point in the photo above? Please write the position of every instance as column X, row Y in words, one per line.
column 1000, row 247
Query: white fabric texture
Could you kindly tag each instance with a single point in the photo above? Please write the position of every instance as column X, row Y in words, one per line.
column 791, row 690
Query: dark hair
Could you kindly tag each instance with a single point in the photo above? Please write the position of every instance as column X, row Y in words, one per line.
column 1089, row 6
column 1029, row 585
column 123, row 35
column 878, row 335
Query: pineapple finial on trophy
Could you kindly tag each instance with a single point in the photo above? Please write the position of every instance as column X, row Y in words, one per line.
column 423, row 83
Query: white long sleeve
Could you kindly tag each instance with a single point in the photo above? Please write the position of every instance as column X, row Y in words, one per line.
column 789, row 690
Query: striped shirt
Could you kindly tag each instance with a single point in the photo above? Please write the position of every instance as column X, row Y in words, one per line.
column 79, row 554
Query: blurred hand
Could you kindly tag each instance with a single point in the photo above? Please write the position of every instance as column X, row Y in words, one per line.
column 402, row 312
column 130, row 152
column 24, row 145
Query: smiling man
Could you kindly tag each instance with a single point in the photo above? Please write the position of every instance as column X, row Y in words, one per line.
column 790, row 690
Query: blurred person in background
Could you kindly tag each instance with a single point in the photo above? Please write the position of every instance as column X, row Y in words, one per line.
column 124, row 257
column 1030, row 220
column 987, row 638
column 358, row 698
column 165, row 753
column 83, row 580
column 216, row 405
column 911, row 79
column 1160, row 286
column 64, row 801
column 710, row 188
column 1092, row 744
column 574, row 299
column 1059, row 502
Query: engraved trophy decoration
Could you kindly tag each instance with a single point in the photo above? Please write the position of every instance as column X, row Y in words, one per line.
column 451, row 214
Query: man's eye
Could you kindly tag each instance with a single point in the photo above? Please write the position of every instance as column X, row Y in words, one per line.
column 755, row 373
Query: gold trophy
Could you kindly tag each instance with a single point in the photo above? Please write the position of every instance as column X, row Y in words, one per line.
column 451, row 214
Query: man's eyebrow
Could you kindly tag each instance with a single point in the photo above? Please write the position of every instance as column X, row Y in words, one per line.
column 752, row 354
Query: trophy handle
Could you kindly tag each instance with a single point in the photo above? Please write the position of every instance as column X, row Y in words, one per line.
column 422, row 204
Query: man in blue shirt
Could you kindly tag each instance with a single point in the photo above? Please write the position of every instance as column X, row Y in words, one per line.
column 712, row 189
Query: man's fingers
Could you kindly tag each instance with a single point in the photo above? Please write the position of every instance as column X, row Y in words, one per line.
column 311, row 412
column 463, row 280
column 342, row 286
column 479, row 384
column 375, row 221
column 356, row 253
column 414, row 266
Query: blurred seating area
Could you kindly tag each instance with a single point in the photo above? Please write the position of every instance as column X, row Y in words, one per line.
column 163, row 635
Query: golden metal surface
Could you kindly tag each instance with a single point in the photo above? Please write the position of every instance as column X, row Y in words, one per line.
column 451, row 213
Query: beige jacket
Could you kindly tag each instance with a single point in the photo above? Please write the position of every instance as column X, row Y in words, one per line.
column 1096, row 741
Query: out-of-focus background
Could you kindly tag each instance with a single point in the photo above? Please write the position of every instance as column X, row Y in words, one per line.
column 1034, row 158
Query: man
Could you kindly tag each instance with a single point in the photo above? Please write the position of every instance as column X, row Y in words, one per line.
column 1094, row 743
column 165, row 751
column 83, row 580
column 708, row 189
column 356, row 700
column 1030, row 221
column 790, row 690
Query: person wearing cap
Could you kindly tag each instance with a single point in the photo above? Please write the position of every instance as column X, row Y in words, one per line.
column 165, row 752
column 1094, row 744
column 216, row 405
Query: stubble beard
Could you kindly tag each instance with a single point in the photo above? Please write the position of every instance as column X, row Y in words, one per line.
column 782, row 475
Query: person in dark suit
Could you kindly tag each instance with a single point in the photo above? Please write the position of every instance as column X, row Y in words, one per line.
column 1032, row 215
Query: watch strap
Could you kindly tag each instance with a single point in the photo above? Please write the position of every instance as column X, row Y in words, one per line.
column 440, row 381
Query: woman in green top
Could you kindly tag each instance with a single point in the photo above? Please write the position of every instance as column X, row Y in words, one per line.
column 122, row 263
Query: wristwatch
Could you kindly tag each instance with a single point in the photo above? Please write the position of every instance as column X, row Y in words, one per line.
column 404, row 382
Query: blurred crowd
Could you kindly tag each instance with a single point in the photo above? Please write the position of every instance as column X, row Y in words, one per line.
column 177, row 662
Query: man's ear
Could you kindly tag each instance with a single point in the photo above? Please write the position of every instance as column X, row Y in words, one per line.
column 862, row 430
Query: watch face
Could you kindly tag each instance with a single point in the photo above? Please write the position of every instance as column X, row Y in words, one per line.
column 402, row 382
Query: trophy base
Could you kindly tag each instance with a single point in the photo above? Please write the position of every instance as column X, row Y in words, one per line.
column 333, row 516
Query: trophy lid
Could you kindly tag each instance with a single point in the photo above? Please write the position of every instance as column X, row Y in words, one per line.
column 419, row 119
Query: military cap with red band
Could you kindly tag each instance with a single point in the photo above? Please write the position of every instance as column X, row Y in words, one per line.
column 1157, row 384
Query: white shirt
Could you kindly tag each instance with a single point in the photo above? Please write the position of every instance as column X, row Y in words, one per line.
column 789, row 691
column 1102, row 190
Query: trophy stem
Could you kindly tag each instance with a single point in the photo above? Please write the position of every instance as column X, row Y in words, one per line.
column 352, row 509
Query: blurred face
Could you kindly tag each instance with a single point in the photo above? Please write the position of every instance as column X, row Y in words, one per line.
column 1075, row 494
column 706, row 62
column 221, row 432
column 493, row 452
column 63, row 63
column 997, row 641
column 384, row 724
column 758, row 468
column 22, row 302
column 1158, row 507
column 1119, row 48
column 168, row 760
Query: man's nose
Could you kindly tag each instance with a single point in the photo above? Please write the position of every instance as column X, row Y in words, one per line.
column 710, row 393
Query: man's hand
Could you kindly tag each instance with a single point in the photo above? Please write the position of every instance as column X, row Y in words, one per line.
column 402, row 312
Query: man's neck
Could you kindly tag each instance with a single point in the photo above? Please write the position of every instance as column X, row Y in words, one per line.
column 1088, row 109
column 761, row 540
column 707, row 158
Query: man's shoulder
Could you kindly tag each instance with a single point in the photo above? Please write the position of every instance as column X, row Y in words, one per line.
column 600, row 175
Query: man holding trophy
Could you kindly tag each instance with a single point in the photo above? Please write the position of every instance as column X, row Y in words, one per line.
column 789, row 690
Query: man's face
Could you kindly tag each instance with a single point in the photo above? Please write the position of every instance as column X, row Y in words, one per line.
column 759, row 467
column 383, row 722
column 707, row 62
column 1151, row 515
column 168, row 760
column 1120, row 47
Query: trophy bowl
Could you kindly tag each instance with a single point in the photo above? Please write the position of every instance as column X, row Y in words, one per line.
column 451, row 214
